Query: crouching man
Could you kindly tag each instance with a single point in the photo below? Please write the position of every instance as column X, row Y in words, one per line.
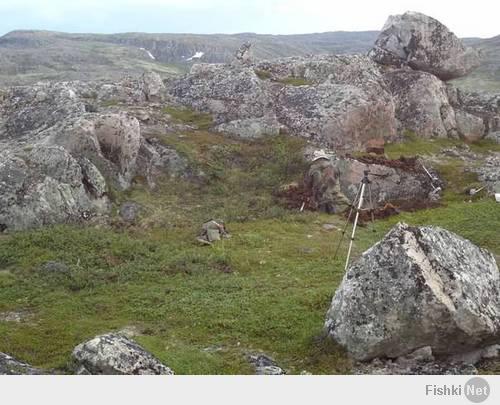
column 322, row 180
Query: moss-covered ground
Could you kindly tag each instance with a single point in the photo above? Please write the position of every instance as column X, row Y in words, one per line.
column 200, row 309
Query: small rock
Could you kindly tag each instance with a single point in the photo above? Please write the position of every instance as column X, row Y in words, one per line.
column 129, row 211
column 54, row 267
column 329, row 227
column 264, row 365
column 116, row 354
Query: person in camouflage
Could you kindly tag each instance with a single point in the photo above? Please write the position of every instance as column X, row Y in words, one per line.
column 323, row 182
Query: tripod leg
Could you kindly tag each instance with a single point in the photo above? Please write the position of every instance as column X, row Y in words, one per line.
column 347, row 222
column 372, row 209
column 360, row 203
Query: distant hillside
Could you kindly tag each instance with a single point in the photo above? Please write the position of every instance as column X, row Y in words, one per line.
column 27, row 56
column 486, row 77
column 30, row 56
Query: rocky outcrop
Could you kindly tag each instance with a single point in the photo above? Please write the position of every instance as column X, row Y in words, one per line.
column 336, row 101
column 116, row 354
column 425, row 44
column 432, row 109
column 60, row 160
column 417, row 287
column 111, row 141
column 475, row 106
column 10, row 366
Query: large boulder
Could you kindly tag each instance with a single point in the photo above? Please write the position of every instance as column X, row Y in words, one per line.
column 417, row 287
column 44, row 185
column 152, row 86
column 421, row 102
column 338, row 116
column 116, row 354
column 425, row 44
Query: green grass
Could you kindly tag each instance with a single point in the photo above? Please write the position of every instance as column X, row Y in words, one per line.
column 295, row 81
column 417, row 146
column 187, row 116
column 110, row 103
column 263, row 74
column 201, row 309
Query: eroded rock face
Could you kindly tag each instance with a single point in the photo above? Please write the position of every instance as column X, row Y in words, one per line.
column 10, row 366
column 417, row 287
column 425, row 44
column 116, row 354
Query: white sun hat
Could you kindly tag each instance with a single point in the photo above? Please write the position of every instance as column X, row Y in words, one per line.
column 320, row 154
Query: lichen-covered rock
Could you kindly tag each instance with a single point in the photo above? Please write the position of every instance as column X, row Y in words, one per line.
column 425, row 44
column 30, row 109
column 342, row 117
column 111, row 141
column 417, row 287
column 10, row 366
column 152, row 86
column 59, row 160
column 116, row 354
column 479, row 105
column 46, row 185
column 336, row 101
column 388, row 184
column 421, row 103
column 155, row 160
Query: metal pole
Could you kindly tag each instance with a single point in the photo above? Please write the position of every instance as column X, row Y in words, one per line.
column 347, row 221
column 360, row 203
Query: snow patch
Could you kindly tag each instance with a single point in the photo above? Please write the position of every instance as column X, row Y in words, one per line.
column 149, row 53
column 197, row 55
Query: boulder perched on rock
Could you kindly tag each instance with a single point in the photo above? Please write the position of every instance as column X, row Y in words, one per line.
column 417, row 287
column 10, row 366
column 116, row 354
column 423, row 43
